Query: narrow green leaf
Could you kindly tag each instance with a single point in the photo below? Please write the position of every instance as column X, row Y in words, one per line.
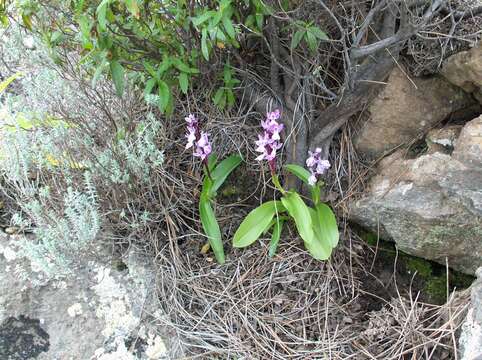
column 297, row 38
column 102, row 14
column 327, row 224
column 211, row 228
column 298, row 210
column 181, row 66
column 117, row 72
column 228, row 26
column 4, row 84
column 204, row 43
column 217, row 96
column 149, row 86
column 212, row 161
column 165, row 65
column 255, row 223
column 150, row 69
column 164, row 94
column 222, row 171
column 275, row 236
column 183, row 82
column 299, row 171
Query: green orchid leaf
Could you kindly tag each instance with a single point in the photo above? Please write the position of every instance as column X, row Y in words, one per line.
column 275, row 236
column 211, row 228
column 319, row 248
column 298, row 210
column 299, row 171
column 223, row 169
column 255, row 223
column 327, row 223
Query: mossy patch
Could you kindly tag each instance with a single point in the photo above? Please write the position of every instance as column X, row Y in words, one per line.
column 431, row 277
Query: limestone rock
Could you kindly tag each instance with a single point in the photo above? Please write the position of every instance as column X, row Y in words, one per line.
column 430, row 206
column 406, row 108
column 470, row 339
column 442, row 140
column 96, row 314
column 464, row 69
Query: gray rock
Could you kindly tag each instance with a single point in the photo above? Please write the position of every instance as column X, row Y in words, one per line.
column 470, row 340
column 464, row 69
column 430, row 206
column 98, row 314
column 405, row 109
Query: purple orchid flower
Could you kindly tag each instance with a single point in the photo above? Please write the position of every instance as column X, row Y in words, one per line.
column 316, row 165
column 197, row 139
column 269, row 142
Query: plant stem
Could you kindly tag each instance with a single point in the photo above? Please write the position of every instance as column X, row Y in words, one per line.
column 277, row 184
column 205, row 162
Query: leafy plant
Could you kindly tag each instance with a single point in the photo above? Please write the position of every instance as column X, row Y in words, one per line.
column 316, row 225
column 214, row 177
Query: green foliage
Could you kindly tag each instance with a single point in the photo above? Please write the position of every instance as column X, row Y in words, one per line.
column 256, row 223
column 308, row 32
column 159, row 45
column 316, row 226
column 215, row 177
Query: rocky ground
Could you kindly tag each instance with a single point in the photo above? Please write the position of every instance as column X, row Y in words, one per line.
column 103, row 311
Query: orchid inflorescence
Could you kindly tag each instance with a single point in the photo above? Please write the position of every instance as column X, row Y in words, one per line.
column 316, row 165
column 269, row 142
column 197, row 139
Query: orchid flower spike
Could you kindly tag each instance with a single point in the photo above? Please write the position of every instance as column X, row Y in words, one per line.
column 269, row 142
column 197, row 139
column 316, row 165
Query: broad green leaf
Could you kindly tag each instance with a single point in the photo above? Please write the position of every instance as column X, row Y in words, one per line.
column 228, row 26
column 327, row 223
column 275, row 236
column 117, row 72
column 318, row 33
column 299, row 171
column 222, row 171
column 319, row 248
column 211, row 228
column 297, row 37
column 164, row 95
column 183, row 82
column 204, row 44
column 254, row 224
column 5, row 83
column 298, row 210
